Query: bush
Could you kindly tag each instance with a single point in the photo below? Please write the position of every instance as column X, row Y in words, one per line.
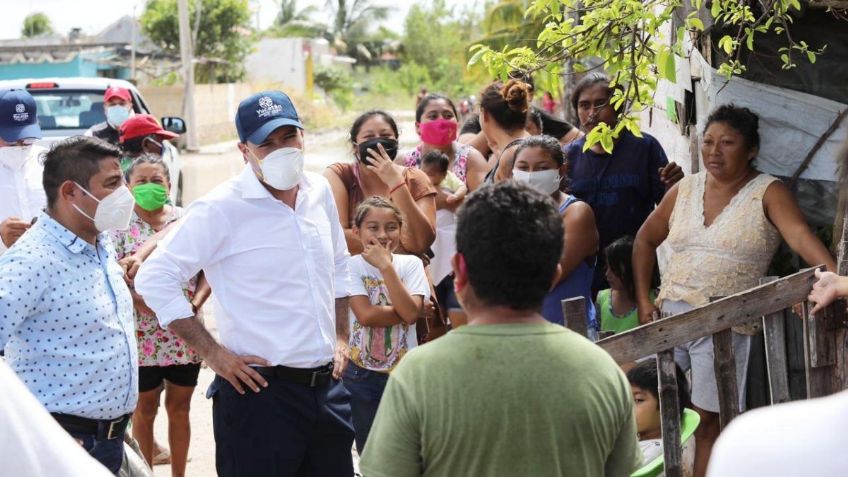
column 337, row 83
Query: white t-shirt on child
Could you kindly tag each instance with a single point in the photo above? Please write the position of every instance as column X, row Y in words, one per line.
column 380, row 348
column 653, row 448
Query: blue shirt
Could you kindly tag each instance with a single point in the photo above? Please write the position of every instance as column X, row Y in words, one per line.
column 622, row 188
column 577, row 283
column 66, row 322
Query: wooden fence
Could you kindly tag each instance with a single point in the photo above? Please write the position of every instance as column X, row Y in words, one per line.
column 825, row 347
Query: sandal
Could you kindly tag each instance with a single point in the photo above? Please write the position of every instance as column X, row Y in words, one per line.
column 162, row 458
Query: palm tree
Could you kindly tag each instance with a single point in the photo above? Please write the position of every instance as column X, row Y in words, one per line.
column 293, row 22
column 505, row 24
column 351, row 22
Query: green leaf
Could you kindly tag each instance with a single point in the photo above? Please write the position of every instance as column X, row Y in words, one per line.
column 662, row 62
column 695, row 23
column 749, row 41
column 726, row 44
column 811, row 56
column 606, row 142
column 476, row 58
column 591, row 139
column 715, row 9
column 671, row 70
column 633, row 126
column 795, row 4
column 784, row 58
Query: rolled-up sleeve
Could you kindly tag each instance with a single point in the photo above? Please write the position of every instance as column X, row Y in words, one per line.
column 341, row 256
column 194, row 243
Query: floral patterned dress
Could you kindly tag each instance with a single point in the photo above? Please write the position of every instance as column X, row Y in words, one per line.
column 157, row 346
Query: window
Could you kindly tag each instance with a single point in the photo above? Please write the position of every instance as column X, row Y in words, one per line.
column 68, row 109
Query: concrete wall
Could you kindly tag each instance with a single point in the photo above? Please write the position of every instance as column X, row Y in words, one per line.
column 215, row 107
column 279, row 60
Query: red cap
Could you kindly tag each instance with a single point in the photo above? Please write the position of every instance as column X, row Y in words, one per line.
column 117, row 92
column 142, row 125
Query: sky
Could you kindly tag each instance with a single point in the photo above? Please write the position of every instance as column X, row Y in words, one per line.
column 91, row 16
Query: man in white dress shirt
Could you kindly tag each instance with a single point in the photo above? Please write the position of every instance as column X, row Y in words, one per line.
column 271, row 246
column 21, row 193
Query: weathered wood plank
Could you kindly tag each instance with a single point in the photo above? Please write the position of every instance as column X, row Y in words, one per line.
column 774, row 333
column 795, row 354
column 818, row 378
column 757, row 384
column 670, row 413
column 774, row 328
column 840, row 376
column 821, row 344
column 709, row 319
column 724, row 360
column 574, row 312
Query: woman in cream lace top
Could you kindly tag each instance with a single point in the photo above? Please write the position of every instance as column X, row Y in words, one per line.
column 723, row 226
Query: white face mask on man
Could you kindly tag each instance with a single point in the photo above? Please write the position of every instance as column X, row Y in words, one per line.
column 113, row 212
column 116, row 115
column 546, row 182
column 282, row 169
column 14, row 157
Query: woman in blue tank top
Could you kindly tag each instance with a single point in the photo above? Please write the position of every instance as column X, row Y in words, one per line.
column 539, row 162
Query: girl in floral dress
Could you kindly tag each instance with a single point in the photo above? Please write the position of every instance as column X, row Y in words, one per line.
column 163, row 356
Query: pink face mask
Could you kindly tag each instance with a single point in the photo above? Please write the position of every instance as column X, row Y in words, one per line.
column 439, row 132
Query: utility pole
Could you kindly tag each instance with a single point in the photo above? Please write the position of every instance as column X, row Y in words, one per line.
column 132, row 46
column 187, row 58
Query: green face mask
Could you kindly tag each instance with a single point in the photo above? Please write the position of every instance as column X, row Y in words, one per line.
column 150, row 196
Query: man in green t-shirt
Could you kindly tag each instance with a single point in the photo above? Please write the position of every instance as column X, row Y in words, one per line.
column 510, row 394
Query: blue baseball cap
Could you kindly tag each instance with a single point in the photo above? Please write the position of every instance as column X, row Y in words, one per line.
column 263, row 113
column 18, row 116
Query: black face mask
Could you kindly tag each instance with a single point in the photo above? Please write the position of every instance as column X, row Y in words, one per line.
column 390, row 145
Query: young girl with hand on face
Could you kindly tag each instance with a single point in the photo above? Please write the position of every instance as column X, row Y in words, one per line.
column 388, row 292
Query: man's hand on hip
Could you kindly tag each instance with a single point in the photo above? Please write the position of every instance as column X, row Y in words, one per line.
column 235, row 369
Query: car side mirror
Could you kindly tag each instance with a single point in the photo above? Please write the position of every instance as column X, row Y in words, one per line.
column 173, row 124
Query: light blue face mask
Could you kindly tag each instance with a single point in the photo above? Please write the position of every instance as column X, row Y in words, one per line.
column 116, row 115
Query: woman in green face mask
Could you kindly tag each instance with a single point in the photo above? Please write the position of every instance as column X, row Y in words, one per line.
column 162, row 356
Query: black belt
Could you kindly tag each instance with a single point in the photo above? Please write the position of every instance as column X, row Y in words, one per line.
column 110, row 428
column 311, row 377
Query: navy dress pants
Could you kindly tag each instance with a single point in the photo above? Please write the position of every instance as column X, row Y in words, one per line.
column 286, row 429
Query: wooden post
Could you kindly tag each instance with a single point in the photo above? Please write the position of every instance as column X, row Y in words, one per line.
column 774, row 332
column 822, row 352
column 725, row 372
column 774, row 328
column 818, row 375
column 796, row 359
column 670, row 413
column 574, row 313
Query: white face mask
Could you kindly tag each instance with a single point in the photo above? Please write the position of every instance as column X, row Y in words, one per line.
column 546, row 182
column 113, row 211
column 117, row 115
column 281, row 169
column 14, row 157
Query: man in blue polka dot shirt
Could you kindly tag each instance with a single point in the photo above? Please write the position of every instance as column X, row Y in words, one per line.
column 66, row 314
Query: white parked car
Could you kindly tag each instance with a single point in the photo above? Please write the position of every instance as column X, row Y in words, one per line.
column 69, row 106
